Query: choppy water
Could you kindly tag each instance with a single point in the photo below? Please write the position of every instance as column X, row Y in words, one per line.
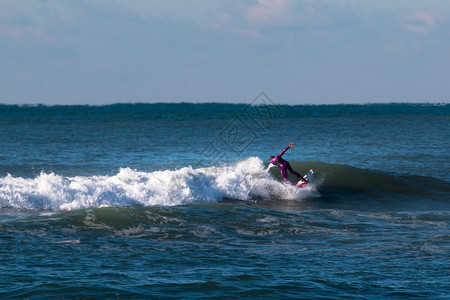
column 173, row 200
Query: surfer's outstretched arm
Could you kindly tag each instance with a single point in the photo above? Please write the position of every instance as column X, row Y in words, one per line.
column 285, row 149
column 270, row 166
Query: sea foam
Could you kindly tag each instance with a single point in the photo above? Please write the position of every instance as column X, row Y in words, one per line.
column 246, row 181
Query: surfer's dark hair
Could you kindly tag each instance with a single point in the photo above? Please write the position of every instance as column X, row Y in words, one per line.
column 272, row 157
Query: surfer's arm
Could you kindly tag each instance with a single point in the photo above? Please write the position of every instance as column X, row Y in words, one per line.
column 282, row 152
column 270, row 166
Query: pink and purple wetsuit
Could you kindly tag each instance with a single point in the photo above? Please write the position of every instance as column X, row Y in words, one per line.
column 284, row 166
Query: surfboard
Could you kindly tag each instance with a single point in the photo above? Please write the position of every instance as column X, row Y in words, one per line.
column 309, row 176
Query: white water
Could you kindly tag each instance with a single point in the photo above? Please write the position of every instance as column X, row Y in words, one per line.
column 245, row 181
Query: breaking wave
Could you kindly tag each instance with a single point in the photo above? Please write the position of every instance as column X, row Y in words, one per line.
column 245, row 181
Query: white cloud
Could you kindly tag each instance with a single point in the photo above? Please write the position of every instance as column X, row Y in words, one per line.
column 421, row 22
column 269, row 12
column 173, row 49
column 197, row 10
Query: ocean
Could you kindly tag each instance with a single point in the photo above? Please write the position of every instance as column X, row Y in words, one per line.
column 143, row 201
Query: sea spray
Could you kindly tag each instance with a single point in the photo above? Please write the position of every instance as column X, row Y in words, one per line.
column 245, row 181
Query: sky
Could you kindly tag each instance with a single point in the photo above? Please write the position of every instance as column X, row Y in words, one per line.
column 296, row 51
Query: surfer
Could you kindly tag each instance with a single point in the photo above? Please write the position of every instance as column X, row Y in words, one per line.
column 277, row 161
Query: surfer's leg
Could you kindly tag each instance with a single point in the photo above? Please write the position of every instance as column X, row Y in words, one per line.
column 284, row 174
column 288, row 166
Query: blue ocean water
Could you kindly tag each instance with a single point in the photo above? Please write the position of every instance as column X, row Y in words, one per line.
column 173, row 201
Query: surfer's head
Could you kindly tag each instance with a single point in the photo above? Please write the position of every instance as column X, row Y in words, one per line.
column 272, row 157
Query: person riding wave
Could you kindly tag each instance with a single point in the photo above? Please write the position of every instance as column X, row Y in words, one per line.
column 277, row 161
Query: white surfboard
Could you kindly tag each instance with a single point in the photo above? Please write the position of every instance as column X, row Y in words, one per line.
column 309, row 176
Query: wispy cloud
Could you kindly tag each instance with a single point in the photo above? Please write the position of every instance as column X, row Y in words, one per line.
column 270, row 12
column 23, row 25
column 421, row 22
column 175, row 49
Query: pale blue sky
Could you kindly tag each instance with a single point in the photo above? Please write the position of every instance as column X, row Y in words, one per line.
column 297, row 51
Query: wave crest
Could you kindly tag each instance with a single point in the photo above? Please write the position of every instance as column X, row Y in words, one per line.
column 247, row 180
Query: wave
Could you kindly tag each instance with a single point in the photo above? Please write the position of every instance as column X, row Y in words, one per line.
column 349, row 187
column 245, row 181
column 334, row 186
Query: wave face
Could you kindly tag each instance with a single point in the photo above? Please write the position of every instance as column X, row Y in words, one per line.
column 347, row 187
column 244, row 181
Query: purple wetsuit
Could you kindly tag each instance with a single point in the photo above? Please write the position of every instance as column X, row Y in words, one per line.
column 284, row 166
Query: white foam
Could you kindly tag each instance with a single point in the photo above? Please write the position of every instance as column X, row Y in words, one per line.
column 246, row 180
